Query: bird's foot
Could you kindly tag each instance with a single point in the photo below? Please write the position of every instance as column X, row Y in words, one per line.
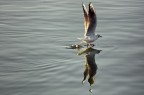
column 92, row 45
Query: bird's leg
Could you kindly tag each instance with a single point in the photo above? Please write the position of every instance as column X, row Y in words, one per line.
column 88, row 44
column 92, row 45
column 79, row 43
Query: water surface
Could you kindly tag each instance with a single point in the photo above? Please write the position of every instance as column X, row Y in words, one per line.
column 33, row 58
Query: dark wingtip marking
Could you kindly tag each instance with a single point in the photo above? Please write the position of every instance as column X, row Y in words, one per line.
column 91, row 9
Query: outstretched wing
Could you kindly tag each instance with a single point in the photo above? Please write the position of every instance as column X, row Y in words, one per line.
column 92, row 21
column 86, row 17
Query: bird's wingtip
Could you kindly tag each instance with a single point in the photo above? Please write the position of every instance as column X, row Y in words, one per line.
column 83, row 4
column 90, row 4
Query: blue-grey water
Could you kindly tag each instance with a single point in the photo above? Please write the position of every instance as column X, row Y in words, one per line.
column 34, row 60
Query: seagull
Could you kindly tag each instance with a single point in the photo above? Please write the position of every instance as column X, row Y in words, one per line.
column 90, row 23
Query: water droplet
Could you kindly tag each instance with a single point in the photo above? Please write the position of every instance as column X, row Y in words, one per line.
column 90, row 90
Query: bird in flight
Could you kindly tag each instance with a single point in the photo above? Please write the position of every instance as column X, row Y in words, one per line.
column 90, row 23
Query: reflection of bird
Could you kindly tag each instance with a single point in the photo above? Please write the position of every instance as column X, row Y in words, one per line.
column 90, row 22
column 90, row 66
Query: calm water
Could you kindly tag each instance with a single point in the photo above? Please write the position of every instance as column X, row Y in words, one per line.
column 34, row 61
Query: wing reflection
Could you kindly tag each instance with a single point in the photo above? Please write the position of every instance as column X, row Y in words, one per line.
column 90, row 64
